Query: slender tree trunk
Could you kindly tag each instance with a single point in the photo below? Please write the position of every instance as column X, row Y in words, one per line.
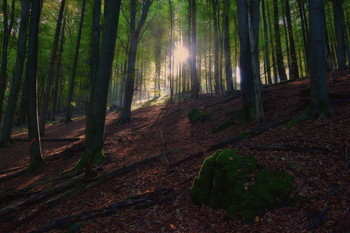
column 135, row 31
column 36, row 160
column 58, row 75
column 294, row 72
column 216, row 47
column 4, row 54
column 74, row 67
column 279, row 55
column 319, row 105
column 46, row 99
column 304, row 30
column 193, row 53
column 267, row 57
column 171, row 53
column 338, row 12
column 227, row 48
column 18, row 74
column 95, row 121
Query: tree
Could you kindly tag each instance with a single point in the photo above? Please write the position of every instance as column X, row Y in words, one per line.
column 17, row 77
column 294, row 72
column 4, row 53
column 74, row 67
column 193, row 50
column 248, row 24
column 319, row 104
column 227, row 47
column 216, row 48
column 135, row 33
column 279, row 55
column 338, row 12
column 36, row 160
column 95, row 121
column 45, row 102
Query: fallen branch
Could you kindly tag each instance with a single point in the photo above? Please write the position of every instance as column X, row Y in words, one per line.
column 77, row 184
column 323, row 212
column 256, row 131
column 50, row 139
column 142, row 201
column 166, row 157
column 290, row 148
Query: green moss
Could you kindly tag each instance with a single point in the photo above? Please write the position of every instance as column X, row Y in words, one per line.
column 293, row 122
column 94, row 157
column 223, row 125
column 231, row 182
column 247, row 133
column 196, row 115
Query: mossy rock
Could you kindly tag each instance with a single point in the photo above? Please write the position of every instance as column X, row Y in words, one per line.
column 233, row 183
column 196, row 115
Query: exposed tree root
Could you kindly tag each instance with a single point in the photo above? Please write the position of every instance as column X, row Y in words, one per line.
column 141, row 201
column 254, row 132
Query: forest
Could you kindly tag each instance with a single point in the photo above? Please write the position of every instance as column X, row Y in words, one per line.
column 175, row 116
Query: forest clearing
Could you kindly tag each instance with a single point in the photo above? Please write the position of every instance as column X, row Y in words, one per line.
column 175, row 116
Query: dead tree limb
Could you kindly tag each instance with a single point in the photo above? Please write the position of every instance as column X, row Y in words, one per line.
column 323, row 212
column 142, row 201
column 166, row 157
column 49, row 139
column 254, row 132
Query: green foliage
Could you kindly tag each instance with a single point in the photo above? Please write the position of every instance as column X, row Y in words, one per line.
column 223, row 126
column 231, row 182
column 196, row 115
column 151, row 102
column 247, row 133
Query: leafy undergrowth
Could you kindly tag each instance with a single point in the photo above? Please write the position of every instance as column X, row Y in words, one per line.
column 318, row 169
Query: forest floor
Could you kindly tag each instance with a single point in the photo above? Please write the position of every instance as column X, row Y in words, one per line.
column 318, row 161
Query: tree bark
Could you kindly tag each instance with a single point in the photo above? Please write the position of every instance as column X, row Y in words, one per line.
column 216, row 48
column 135, row 31
column 74, row 67
column 319, row 106
column 46, row 99
column 338, row 12
column 95, row 121
column 193, row 52
column 294, row 72
column 227, row 48
column 279, row 55
column 18, row 74
column 36, row 160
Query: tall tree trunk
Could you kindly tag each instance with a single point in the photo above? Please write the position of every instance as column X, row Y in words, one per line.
column 18, row 74
column 248, row 24
column 319, row 105
column 304, row 31
column 135, row 31
column 5, row 45
column 46, row 99
column 216, row 47
column 267, row 57
column 338, row 12
column 227, row 48
column 171, row 53
column 294, row 72
column 95, row 121
column 58, row 75
column 36, row 160
column 279, row 55
column 74, row 67
column 193, row 52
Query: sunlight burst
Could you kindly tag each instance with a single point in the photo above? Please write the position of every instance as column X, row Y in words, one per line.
column 180, row 54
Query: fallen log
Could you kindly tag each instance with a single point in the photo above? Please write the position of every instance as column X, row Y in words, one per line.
column 181, row 161
column 142, row 201
column 293, row 148
column 254, row 132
